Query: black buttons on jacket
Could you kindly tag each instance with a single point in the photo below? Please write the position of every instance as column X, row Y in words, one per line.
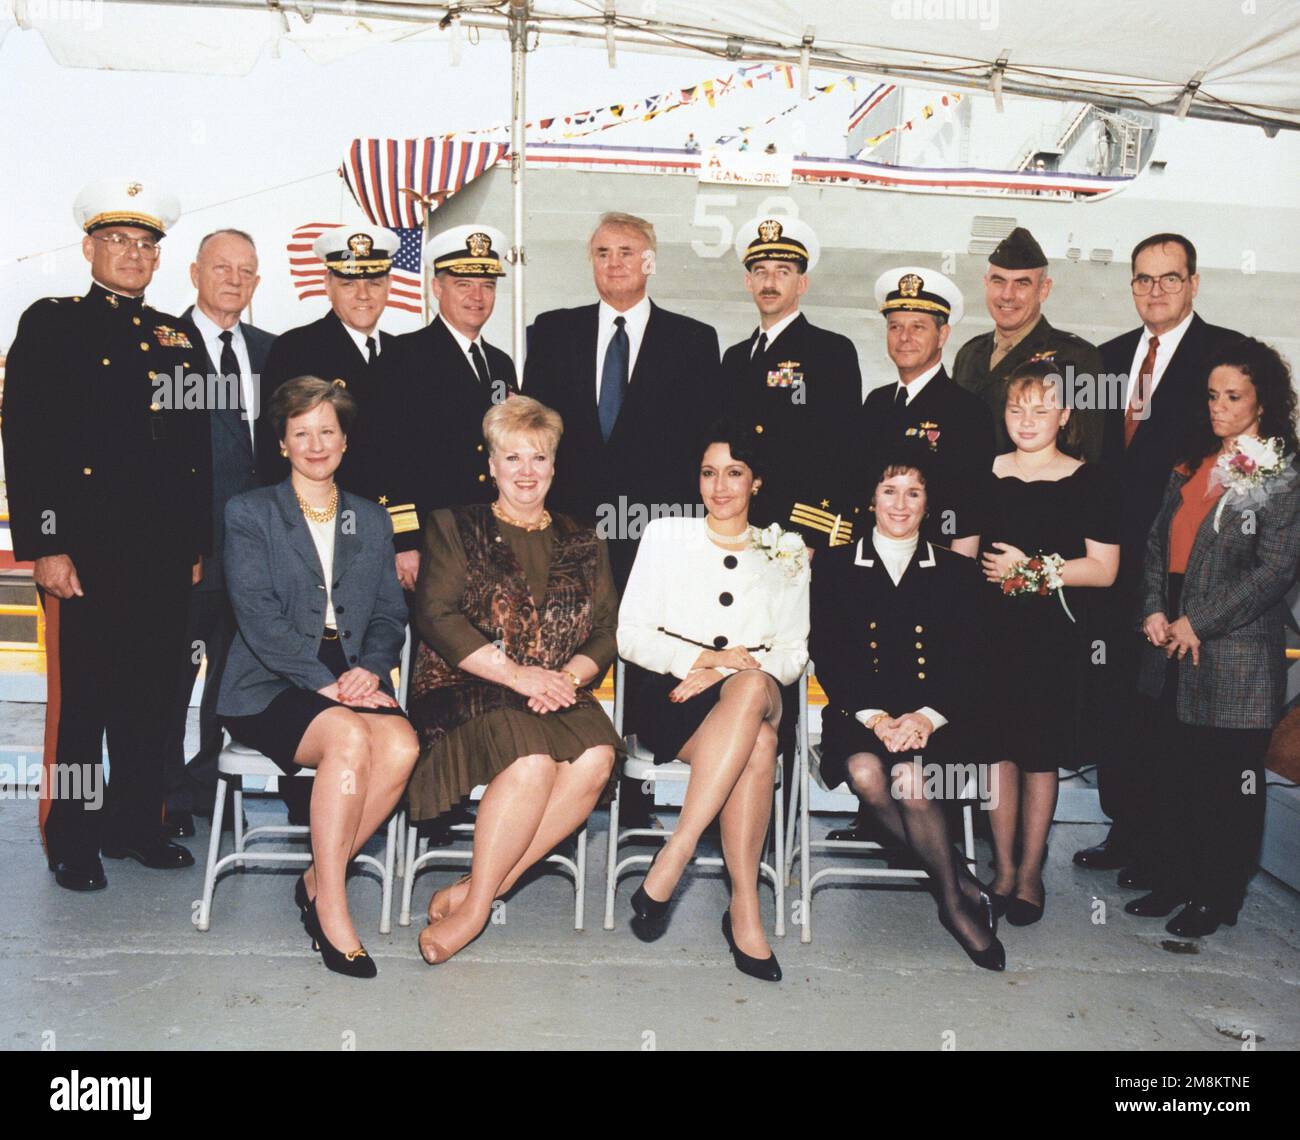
column 353, row 659
column 719, row 642
column 730, row 562
column 347, row 633
column 725, row 598
column 338, row 609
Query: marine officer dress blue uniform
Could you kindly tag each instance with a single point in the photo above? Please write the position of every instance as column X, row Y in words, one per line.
column 105, row 467
column 798, row 387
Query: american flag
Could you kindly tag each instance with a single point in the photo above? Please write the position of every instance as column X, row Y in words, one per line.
column 308, row 271
column 379, row 171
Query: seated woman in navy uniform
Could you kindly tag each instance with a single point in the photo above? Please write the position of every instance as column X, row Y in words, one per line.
column 897, row 650
column 717, row 611
column 321, row 623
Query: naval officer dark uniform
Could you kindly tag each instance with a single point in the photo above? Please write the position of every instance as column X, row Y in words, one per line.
column 331, row 350
column 798, row 388
column 975, row 370
column 950, row 424
column 432, row 396
column 896, row 649
column 954, row 427
column 107, row 467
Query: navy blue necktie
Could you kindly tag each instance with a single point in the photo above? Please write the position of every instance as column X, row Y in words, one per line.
column 613, row 379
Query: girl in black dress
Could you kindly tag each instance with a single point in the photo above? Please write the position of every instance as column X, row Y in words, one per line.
column 1050, row 531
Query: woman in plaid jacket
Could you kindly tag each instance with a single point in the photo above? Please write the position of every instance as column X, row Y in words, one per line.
column 1220, row 559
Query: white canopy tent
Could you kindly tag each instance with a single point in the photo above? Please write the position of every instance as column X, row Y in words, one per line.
column 1231, row 60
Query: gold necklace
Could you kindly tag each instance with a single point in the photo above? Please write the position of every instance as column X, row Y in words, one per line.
column 317, row 515
column 505, row 518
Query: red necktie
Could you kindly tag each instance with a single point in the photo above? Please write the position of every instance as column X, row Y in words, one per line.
column 1140, row 398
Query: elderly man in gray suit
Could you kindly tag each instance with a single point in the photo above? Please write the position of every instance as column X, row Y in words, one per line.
column 225, row 275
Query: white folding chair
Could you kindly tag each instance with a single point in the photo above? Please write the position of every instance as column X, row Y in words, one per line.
column 641, row 767
column 808, row 770
column 415, row 860
column 237, row 761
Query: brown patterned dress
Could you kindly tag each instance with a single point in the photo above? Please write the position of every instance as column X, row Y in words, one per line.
column 542, row 596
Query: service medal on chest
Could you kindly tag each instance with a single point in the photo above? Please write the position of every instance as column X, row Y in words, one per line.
column 926, row 430
column 169, row 337
column 785, row 375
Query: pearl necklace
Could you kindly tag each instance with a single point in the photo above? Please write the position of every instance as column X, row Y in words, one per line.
column 315, row 514
column 529, row 527
column 727, row 539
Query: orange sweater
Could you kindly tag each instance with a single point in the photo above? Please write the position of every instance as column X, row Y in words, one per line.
column 1198, row 501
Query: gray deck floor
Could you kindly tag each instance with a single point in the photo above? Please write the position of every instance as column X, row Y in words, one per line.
column 126, row 969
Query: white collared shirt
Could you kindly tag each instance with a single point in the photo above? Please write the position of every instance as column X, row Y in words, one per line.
column 359, row 339
column 1165, row 350
column 211, row 332
column 775, row 331
column 914, row 388
column 465, row 344
column 896, row 553
column 636, row 318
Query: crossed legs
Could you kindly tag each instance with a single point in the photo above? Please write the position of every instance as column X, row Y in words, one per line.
column 362, row 764
column 733, row 768
column 527, row 809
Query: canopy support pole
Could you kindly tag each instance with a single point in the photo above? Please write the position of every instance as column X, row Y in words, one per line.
column 518, row 51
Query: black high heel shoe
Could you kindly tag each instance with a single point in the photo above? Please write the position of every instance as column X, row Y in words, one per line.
column 992, row 957
column 1021, row 912
column 650, row 918
column 764, row 969
column 354, row 964
column 300, row 896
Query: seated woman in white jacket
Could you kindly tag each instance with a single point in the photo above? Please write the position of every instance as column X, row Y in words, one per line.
column 719, row 611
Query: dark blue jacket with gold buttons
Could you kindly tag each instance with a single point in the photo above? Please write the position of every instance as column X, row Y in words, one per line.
column 802, row 398
column 898, row 648
column 107, row 450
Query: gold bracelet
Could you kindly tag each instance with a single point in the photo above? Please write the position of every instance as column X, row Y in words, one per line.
column 875, row 720
column 577, row 682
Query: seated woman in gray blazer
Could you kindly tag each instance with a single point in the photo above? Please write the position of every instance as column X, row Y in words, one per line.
column 1220, row 559
column 321, row 624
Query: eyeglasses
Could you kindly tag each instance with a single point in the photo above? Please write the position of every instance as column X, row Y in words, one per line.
column 120, row 243
column 1169, row 283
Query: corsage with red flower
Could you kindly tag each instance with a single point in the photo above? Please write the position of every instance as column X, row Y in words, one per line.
column 1040, row 575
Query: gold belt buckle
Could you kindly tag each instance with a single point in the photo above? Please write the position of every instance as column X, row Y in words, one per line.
column 330, row 634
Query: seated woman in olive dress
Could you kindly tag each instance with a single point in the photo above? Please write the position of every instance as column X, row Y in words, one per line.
column 517, row 610
column 321, row 623
column 897, row 641
column 721, row 623
column 1050, row 540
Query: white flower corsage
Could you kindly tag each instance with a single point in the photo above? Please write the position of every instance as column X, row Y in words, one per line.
column 1254, row 469
column 784, row 549
column 1039, row 575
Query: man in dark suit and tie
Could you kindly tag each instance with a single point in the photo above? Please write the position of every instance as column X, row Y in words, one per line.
column 345, row 344
column 435, row 387
column 1165, row 365
column 637, row 386
column 224, row 273
column 795, row 385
